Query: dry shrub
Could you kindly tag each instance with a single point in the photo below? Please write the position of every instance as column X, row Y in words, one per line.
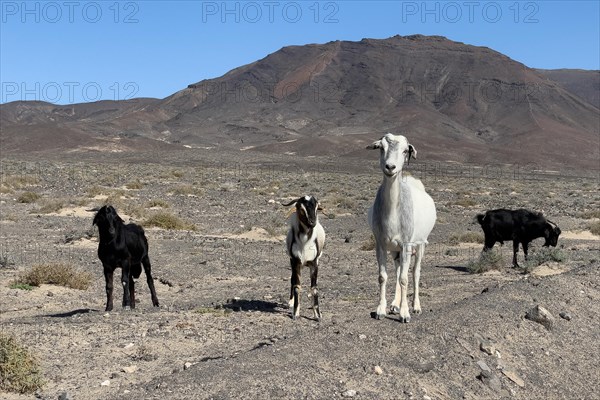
column 488, row 260
column 19, row 370
column 157, row 203
column 55, row 274
column 135, row 185
column 28, row 197
column 541, row 256
column 595, row 228
column 467, row 237
column 590, row 214
column 49, row 206
column 20, row 181
column 166, row 220
column 185, row 190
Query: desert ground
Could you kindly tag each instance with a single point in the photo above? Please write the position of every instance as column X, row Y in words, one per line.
column 223, row 329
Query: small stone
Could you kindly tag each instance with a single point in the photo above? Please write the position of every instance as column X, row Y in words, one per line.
column 50, row 294
column 542, row 316
column 483, row 366
column 105, row 383
column 64, row 396
column 349, row 393
column 106, row 315
column 187, row 365
column 425, row 397
column 114, row 375
column 378, row 370
column 129, row 370
column 512, row 375
column 497, row 354
column 487, row 347
column 271, row 201
column 565, row 315
column 128, row 346
column 362, row 336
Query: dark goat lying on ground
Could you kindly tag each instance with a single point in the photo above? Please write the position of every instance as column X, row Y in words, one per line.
column 520, row 226
column 126, row 247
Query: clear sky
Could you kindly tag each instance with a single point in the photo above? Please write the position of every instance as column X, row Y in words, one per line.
column 73, row 51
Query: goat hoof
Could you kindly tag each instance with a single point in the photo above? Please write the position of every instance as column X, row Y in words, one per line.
column 394, row 310
column 379, row 316
column 126, row 308
column 404, row 320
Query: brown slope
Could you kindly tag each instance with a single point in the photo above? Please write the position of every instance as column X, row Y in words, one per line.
column 583, row 83
column 457, row 102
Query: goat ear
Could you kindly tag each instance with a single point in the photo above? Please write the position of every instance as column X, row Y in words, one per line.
column 374, row 145
column 412, row 152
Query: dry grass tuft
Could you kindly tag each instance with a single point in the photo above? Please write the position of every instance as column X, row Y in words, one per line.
column 590, row 214
column 55, row 274
column 49, row 206
column 368, row 245
column 19, row 370
column 166, row 220
column 20, row 181
column 467, row 237
column 595, row 228
column 28, row 197
column 487, row 261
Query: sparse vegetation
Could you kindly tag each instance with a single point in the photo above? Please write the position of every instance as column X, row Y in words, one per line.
column 166, row 220
column 221, row 312
column 590, row 214
column 157, row 203
column 465, row 202
column 49, row 206
column 144, row 353
column 20, row 181
column 467, row 237
column 541, row 256
column 19, row 370
column 28, row 197
column 595, row 228
column 135, row 185
column 61, row 274
column 21, row 286
column 186, row 190
column 487, row 261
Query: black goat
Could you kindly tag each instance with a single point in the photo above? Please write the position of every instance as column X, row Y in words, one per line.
column 520, row 226
column 126, row 247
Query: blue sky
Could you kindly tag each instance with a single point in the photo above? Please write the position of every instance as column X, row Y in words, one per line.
column 74, row 51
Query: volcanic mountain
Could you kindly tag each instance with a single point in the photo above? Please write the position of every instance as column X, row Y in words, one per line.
column 455, row 102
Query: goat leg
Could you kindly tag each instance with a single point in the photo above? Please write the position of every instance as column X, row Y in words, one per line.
column 108, row 277
column 148, row 271
column 314, row 270
column 132, row 291
column 295, row 286
column 515, row 251
column 125, row 282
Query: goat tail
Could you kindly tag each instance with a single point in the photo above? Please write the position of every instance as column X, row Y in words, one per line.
column 480, row 218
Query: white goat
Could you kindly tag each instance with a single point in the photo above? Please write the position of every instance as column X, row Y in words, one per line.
column 401, row 219
column 304, row 243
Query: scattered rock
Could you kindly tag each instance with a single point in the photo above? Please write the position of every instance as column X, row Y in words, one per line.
column 425, row 397
column 483, row 366
column 487, row 347
column 187, row 365
column 491, row 380
column 129, row 370
column 114, row 375
column 105, row 383
column 50, row 294
column 513, row 376
column 128, row 346
column 565, row 315
column 542, row 316
column 64, row 396
column 362, row 336
column 378, row 370
column 349, row 393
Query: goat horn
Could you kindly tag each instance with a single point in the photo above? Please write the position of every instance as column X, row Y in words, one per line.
column 291, row 202
column 551, row 222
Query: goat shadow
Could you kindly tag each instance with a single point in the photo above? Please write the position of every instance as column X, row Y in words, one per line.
column 459, row 268
column 253, row 305
column 71, row 313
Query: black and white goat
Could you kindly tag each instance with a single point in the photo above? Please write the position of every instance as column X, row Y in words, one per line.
column 520, row 226
column 126, row 247
column 305, row 241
